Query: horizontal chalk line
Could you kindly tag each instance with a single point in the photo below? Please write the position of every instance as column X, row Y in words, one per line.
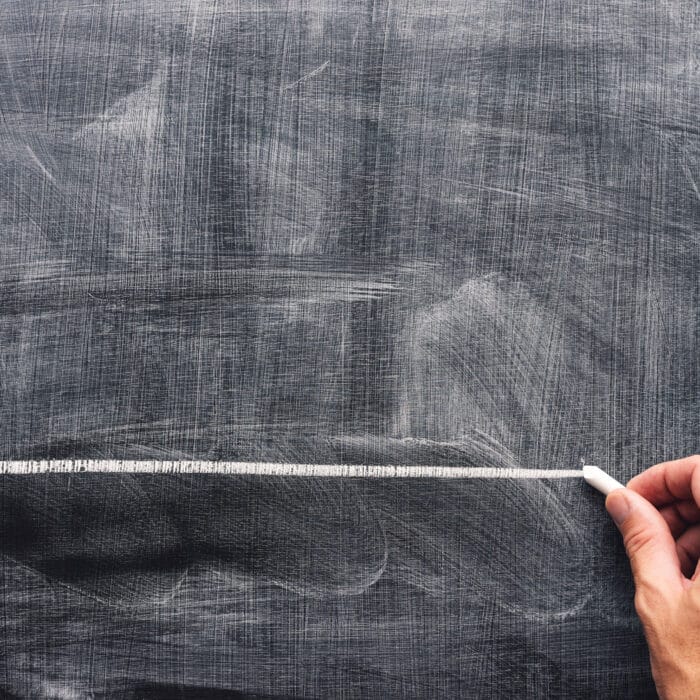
column 105, row 466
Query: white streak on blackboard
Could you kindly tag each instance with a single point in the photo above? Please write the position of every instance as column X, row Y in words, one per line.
column 36, row 160
column 277, row 469
column 311, row 74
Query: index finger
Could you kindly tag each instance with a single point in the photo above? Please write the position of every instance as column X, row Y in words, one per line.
column 669, row 482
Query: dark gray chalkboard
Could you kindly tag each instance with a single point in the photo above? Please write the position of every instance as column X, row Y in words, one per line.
column 442, row 233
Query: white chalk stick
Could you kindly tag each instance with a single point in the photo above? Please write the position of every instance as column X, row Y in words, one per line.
column 598, row 479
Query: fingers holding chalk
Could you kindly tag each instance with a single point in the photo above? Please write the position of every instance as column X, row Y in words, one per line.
column 648, row 537
column 670, row 482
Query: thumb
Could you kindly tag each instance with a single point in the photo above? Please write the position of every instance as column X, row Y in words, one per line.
column 649, row 543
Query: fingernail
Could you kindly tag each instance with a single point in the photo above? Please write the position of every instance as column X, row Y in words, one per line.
column 618, row 506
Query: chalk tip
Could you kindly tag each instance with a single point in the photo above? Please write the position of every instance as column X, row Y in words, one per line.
column 591, row 472
column 600, row 480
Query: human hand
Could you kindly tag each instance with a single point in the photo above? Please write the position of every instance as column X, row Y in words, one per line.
column 658, row 515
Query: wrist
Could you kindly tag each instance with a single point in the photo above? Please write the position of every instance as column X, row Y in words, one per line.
column 676, row 680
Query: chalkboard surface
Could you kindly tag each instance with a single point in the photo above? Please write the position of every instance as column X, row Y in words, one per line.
column 419, row 233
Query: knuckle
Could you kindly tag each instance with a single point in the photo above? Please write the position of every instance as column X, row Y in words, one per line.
column 637, row 540
column 649, row 589
column 647, row 603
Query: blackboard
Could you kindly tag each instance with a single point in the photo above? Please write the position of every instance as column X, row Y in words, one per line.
column 422, row 233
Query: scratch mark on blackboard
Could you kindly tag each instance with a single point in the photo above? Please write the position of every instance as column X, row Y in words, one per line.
column 304, row 78
column 35, row 158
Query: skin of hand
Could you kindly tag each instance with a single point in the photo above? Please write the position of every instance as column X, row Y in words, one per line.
column 658, row 514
